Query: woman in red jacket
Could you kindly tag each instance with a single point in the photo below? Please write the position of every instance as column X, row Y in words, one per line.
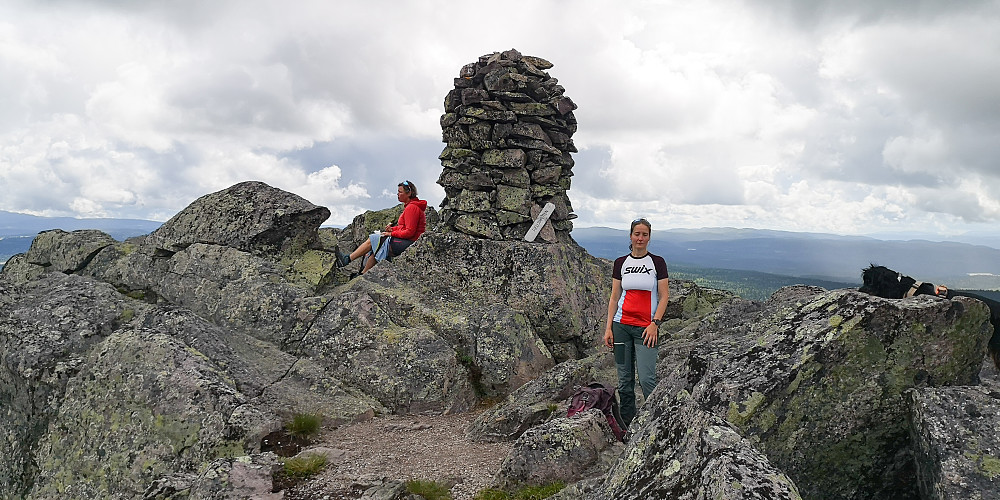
column 412, row 223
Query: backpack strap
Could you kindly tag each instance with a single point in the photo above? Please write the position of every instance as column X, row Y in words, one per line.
column 913, row 289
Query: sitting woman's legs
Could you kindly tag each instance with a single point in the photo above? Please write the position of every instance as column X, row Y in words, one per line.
column 369, row 263
column 361, row 250
column 397, row 245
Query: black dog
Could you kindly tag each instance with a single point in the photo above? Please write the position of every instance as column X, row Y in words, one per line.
column 886, row 283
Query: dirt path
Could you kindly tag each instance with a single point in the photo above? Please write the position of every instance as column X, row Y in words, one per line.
column 402, row 448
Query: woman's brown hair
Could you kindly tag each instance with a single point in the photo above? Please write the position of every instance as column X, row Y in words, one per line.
column 643, row 221
column 640, row 220
column 409, row 188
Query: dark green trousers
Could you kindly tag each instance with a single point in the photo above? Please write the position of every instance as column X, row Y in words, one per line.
column 631, row 357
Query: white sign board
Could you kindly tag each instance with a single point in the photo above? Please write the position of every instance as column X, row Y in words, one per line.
column 540, row 221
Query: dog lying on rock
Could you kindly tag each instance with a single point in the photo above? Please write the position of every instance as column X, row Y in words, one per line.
column 886, row 283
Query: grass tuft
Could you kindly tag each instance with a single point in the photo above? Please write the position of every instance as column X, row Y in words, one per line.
column 523, row 493
column 304, row 425
column 305, row 466
column 431, row 490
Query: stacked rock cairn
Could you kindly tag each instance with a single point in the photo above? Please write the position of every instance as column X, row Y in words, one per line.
column 508, row 129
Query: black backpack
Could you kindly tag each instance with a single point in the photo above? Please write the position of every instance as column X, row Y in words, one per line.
column 597, row 395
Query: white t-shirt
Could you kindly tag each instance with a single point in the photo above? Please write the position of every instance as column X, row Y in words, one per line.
column 640, row 293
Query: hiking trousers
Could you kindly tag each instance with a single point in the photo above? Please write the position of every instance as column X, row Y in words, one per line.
column 631, row 357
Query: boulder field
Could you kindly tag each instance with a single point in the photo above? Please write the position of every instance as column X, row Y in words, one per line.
column 154, row 367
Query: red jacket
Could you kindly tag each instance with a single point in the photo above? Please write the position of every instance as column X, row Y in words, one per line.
column 412, row 222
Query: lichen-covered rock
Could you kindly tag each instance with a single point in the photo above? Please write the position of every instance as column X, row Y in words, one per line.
column 233, row 288
column 271, row 299
column 73, row 419
column 416, row 345
column 45, row 332
column 682, row 452
column 58, row 250
column 989, row 373
column 17, row 270
column 535, row 402
column 563, row 449
column 389, row 490
column 141, row 406
column 250, row 476
column 103, row 394
column 506, row 352
column 249, row 216
column 288, row 300
column 561, row 289
column 282, row 381
column 818, row 379
column 956, row 438
column 369, row 340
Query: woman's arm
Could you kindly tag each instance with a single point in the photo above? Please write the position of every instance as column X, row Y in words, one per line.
column 652, row 332
column 616, row 293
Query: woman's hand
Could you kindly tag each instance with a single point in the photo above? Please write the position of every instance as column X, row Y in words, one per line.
column 609, row 338
column 650, row 334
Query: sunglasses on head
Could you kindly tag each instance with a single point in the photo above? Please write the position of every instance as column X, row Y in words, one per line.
column 641, row 220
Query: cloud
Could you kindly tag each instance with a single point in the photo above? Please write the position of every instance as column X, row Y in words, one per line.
column 819, row 116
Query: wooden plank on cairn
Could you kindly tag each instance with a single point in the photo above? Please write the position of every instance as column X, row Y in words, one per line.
column 543, row 216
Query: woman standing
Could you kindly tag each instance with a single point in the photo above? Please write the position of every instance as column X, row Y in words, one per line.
column 412, row 223
column 639, row 293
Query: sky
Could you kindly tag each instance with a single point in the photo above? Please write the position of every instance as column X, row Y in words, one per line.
column 839, row 116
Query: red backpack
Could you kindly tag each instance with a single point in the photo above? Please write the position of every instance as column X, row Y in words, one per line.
column 597, row 395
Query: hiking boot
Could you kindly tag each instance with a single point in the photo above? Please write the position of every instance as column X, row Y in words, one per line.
column 342, row 259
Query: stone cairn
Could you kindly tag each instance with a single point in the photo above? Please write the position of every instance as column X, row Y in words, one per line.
column 508, row 129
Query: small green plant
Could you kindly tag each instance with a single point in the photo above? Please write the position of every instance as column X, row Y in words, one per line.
column 142, row 295
column 304, row 425
column 491, row 494
column 523, row 493
column 538, row 492
column 127, row 315
column 431, row 490
column 305, row 466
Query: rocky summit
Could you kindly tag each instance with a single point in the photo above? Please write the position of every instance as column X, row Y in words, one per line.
column 161, row 366
column 167, row 366
column 139, row 363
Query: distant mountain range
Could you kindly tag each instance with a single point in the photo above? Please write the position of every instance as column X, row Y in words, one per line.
column 824, row 259
column 808, row 255
column 17, row 230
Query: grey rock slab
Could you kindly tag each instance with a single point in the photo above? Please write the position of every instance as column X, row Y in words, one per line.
column 249, row 216
column 956, row 441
